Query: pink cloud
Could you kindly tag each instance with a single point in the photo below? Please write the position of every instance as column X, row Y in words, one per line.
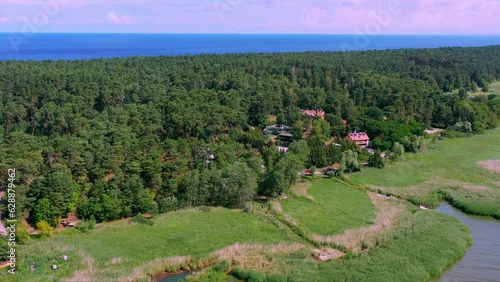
column 261, row 16
column 5, row 19
column 116, row 19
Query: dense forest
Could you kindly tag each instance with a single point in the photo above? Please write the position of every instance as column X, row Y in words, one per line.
column 111, row 138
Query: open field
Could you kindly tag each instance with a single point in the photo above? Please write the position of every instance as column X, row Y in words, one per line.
column 494, row 88
column 424, row 243
column 387, row 239
column 389, row 211
column 452, row 170
column 115, row 250
column 335, row 208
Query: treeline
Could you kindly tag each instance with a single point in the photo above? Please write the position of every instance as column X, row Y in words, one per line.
column 111, row 138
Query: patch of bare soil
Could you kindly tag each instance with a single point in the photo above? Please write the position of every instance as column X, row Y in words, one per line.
column 325, row 254
column 434, row 130
column 84, row 275
column 300, row 189
column 277, row 206
column 491, row 165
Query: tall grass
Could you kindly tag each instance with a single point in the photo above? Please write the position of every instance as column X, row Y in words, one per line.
column 424, row 243
column 119, row 250
column 336, row 207
column 389, row 210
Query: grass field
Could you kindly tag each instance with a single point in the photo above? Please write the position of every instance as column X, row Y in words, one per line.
column 422, row 246
column 450, row 168
column 118, row 248
column 335, row 208
column 451, row 159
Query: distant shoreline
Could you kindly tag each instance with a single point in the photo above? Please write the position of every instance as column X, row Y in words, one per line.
column 84, row 46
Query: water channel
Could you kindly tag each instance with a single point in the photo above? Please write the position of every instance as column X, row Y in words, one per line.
column 482, row 260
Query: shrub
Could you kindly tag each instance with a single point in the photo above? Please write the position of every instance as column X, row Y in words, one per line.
column 397, row 153
column 222, row 266
column 415, row 144
column 22, row 234
column 45, row 229
column 85, row 226
column 168, row 204
column 256, row 276
column 142, row 220
column 376, row 160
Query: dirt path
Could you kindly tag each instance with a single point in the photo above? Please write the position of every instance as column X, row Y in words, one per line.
column 388, row 210
column 491, row 165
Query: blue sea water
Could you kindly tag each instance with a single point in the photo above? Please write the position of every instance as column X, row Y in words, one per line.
column 70, row 46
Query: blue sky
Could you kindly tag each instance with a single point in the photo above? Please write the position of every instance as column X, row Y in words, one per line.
column 253, row 16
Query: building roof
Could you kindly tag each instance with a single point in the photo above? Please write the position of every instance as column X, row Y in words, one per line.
column 359, row 136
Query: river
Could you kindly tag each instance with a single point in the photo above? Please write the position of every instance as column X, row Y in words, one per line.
column 482, row 260
column 181, row 276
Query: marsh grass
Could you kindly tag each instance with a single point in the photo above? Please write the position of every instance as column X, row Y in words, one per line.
column 421, row 246
column 256, row 256
column 336, row 207
column 143, row 247
column 389, row 210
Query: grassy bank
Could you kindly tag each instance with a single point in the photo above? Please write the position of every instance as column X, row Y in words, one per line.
column 118, row 250
column 422, row 245
column 450, row 171
column 333, row 208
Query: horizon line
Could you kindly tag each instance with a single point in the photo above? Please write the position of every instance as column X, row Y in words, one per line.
column 235, row 33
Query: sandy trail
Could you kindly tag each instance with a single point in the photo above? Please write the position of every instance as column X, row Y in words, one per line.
column 491, row 165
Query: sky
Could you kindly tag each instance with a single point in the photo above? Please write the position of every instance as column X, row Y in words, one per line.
column 252, row 16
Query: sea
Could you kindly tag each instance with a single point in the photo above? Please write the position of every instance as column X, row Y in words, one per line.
column 78, row 46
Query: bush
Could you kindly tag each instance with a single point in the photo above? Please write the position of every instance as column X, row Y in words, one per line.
column 45, row 229
column 85, row 226
column 142, row 220
column 22, row 234
column 349, row 162
column 462, row 127
column 397, row 153
column 168, row 204
column 455, row 134
column 415, row 144
column 4, row 248
column 256, row 276
column 222, row 266
column 376, row 160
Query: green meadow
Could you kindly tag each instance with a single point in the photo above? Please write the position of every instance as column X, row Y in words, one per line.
column 449, row 159
column 116, row 249
column 448, row 171
column 334, row 208
column 421, row 247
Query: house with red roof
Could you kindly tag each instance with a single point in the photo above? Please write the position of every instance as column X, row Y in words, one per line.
column 360, row 138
